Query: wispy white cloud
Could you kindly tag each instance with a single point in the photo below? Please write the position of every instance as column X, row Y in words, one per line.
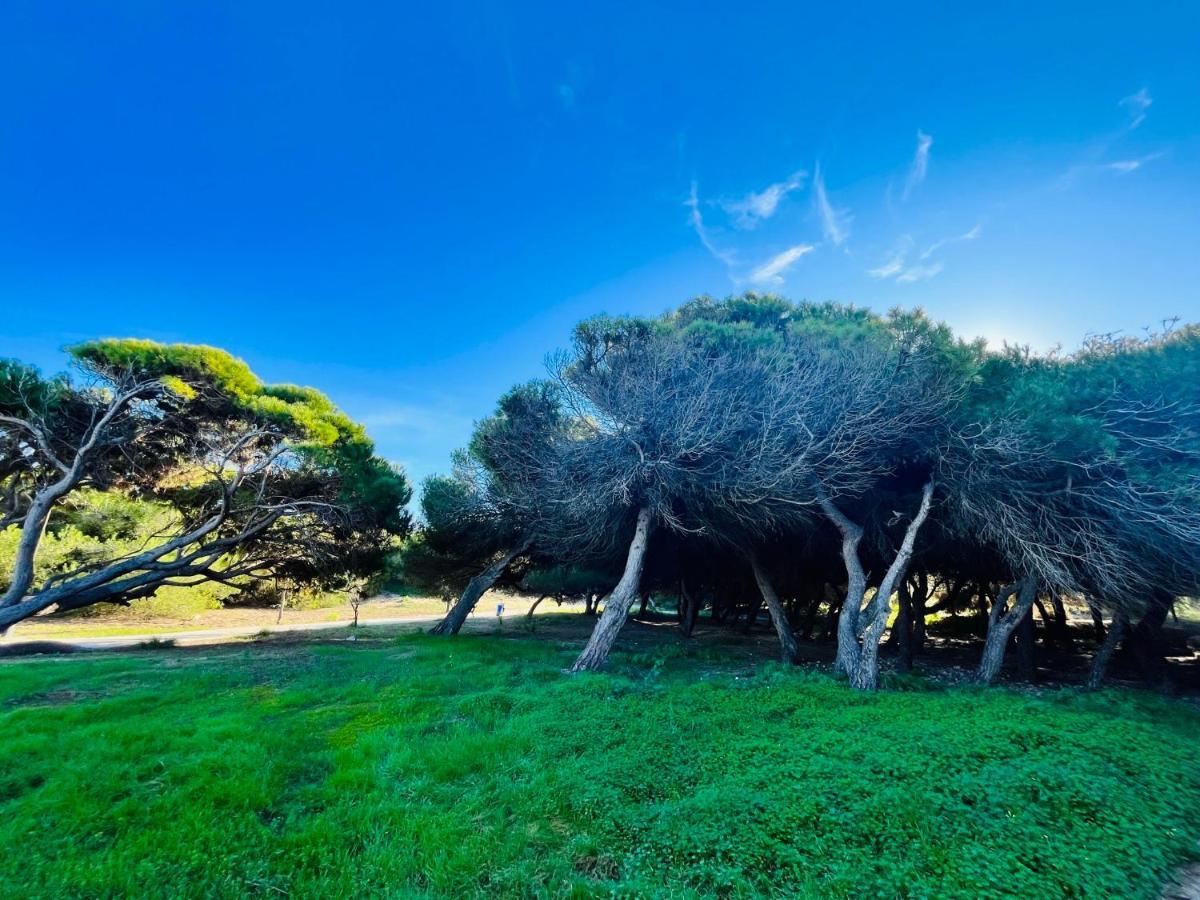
column 1125, row 166
column 897, row 267
column 757, row 207
column 835, row 223
column 1118, row 167
column 920, row 164
column 693, row 203
column 938, row 245
column 894, row 264
column 919, row 273
column 771, row 272
column 1136, row 106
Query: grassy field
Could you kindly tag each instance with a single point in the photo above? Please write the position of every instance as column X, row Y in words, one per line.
column 422, row 767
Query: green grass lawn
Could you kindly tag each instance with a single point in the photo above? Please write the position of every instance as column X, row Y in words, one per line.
column 417, row 766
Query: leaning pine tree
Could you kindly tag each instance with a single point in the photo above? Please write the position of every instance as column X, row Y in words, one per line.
column 259, row 481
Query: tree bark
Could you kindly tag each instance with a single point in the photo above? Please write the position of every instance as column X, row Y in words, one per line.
column 789, row 650
column 1105, row 653
column 856, row 588
column 478, row 586
column 1000, row 627
column 858, row 645
column 616, row 609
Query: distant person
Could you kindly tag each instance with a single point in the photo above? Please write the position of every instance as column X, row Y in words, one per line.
column 499, row 610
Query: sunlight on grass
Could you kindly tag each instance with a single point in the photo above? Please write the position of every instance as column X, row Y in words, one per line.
column 474, row 766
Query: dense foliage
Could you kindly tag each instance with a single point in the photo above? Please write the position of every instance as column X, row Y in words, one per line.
column 162, row 466
column 837, row 465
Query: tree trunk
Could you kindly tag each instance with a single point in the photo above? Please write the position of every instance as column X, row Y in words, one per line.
column 1000, row 627
column 616, row 610
column 689, row 609
column 478, row 586
column 752, row 617
column 642, row 606
column 1061, row 630
column 789, row 651
column 917, row 601
column 809, row 622
column 903, row 629
column 1104, row 655
column 1145, row 640
column 856, row 589
column 1097, row 620
column 860, row 660
column 1026, row 649
column 536, row 603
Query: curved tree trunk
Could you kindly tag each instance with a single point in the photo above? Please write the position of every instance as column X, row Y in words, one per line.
column 536, row 604
column 858, row 643
column 1104, row 655
column 616, row 609
column 1000, row 627
column 789, row 650
column 478, row 586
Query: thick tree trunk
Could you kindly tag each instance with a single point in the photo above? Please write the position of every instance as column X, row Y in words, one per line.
column 858, row 644
column 789, row 650
column 616, row 610
column 1104, row 654
column 1000, row 627
column 478, row 586
column 856, row 589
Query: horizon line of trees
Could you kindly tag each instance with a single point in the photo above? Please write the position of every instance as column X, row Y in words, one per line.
column 849, row 474
column 828, row 463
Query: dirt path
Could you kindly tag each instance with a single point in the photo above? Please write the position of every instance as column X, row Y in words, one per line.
column 202, row 636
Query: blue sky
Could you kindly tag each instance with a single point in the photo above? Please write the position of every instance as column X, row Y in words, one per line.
column 409, row 205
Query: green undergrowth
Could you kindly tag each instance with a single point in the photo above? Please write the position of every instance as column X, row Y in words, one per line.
column 427, row 767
